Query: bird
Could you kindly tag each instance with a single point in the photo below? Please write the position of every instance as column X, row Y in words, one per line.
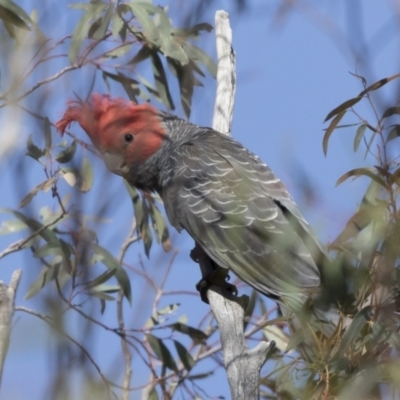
column 224, row 196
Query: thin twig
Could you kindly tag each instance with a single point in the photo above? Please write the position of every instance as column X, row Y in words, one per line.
column 40, row 83
column 19, row 244
column 49, row 321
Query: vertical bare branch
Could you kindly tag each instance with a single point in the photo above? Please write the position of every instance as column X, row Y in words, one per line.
column 242, row 364
column 7, row 300
column 226, row 75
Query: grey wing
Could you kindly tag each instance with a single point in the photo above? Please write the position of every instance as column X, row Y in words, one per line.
column 230, row 203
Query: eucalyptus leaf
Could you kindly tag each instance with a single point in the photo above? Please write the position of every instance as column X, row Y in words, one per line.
column 393, row 133
column 86, row 176
column 161, row 82
column 197, row 54
column 330, row 129
column 18, row 13
column 46, row 233
column 33, row 150
column 196, row 335
column 92, row 12
column 111, row 263
column 370, row 172
column 343, row 107
column 105, row 22
column 390, row 111
column 11, row 226
column 359, row 135
column 149, row 28
column 378, row 84
column 161, row 351
column 353, row 331
column 160, row 227
column 67, row 155
column 44, row 186
column 184, row 355
column 47, row 134
column 46, row 275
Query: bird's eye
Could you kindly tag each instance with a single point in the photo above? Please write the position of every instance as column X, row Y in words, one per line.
column 128, row 137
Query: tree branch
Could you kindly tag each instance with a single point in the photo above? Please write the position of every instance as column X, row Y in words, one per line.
column 226, row 75
column 7, row 301
column 242, row 364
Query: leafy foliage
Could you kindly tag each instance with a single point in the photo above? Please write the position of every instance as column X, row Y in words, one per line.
column 359, row 360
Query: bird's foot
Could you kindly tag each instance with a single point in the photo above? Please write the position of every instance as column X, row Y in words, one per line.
column 216, row 277
column 213, row 274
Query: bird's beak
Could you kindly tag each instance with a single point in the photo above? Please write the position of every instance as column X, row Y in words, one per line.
column 115, row 163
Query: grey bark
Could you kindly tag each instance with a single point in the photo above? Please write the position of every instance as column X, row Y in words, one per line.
column 7, row 301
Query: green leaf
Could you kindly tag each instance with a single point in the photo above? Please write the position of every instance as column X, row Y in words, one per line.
column 362, row 172
column 48, row 249
column 149, row 28
column 200, row 376
column 33, row 150
column 155, row 318
column 130, row 85
column 143, row 54
column 160, row 228
column 390, row 111
column 67, row 155
column 161, row 351
column 116, row 24
column 394, row 133
column 194, row 31
column 147, row 238
column 149, row 87
column 46, row 275
column 171, row 46
column 137, row 204
column 184, row 355
column 70, row 175
column 10, row 17
column 112, row 264
column 186, row 81
column 101, row 295
column 153, row 395
column 343, row 107
column 105, row 22
column 93, row 11
column 119, row 51
column 197, row 54
column 47, row 135
column 171, row 308
column 47, row 234
column 330, row 129
column 12, row 226
column 173, row 49
column 18, row 12
column 196, row 335
column 353, row 331
column 161, row 81
column 86, row 175
column 378, row 84
column 44, row 186
column 104, row 277
column 359, row 135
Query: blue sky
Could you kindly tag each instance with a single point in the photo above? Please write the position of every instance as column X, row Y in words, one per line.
column 291, row 71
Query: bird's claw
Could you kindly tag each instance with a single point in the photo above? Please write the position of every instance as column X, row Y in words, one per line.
column 205, row 283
